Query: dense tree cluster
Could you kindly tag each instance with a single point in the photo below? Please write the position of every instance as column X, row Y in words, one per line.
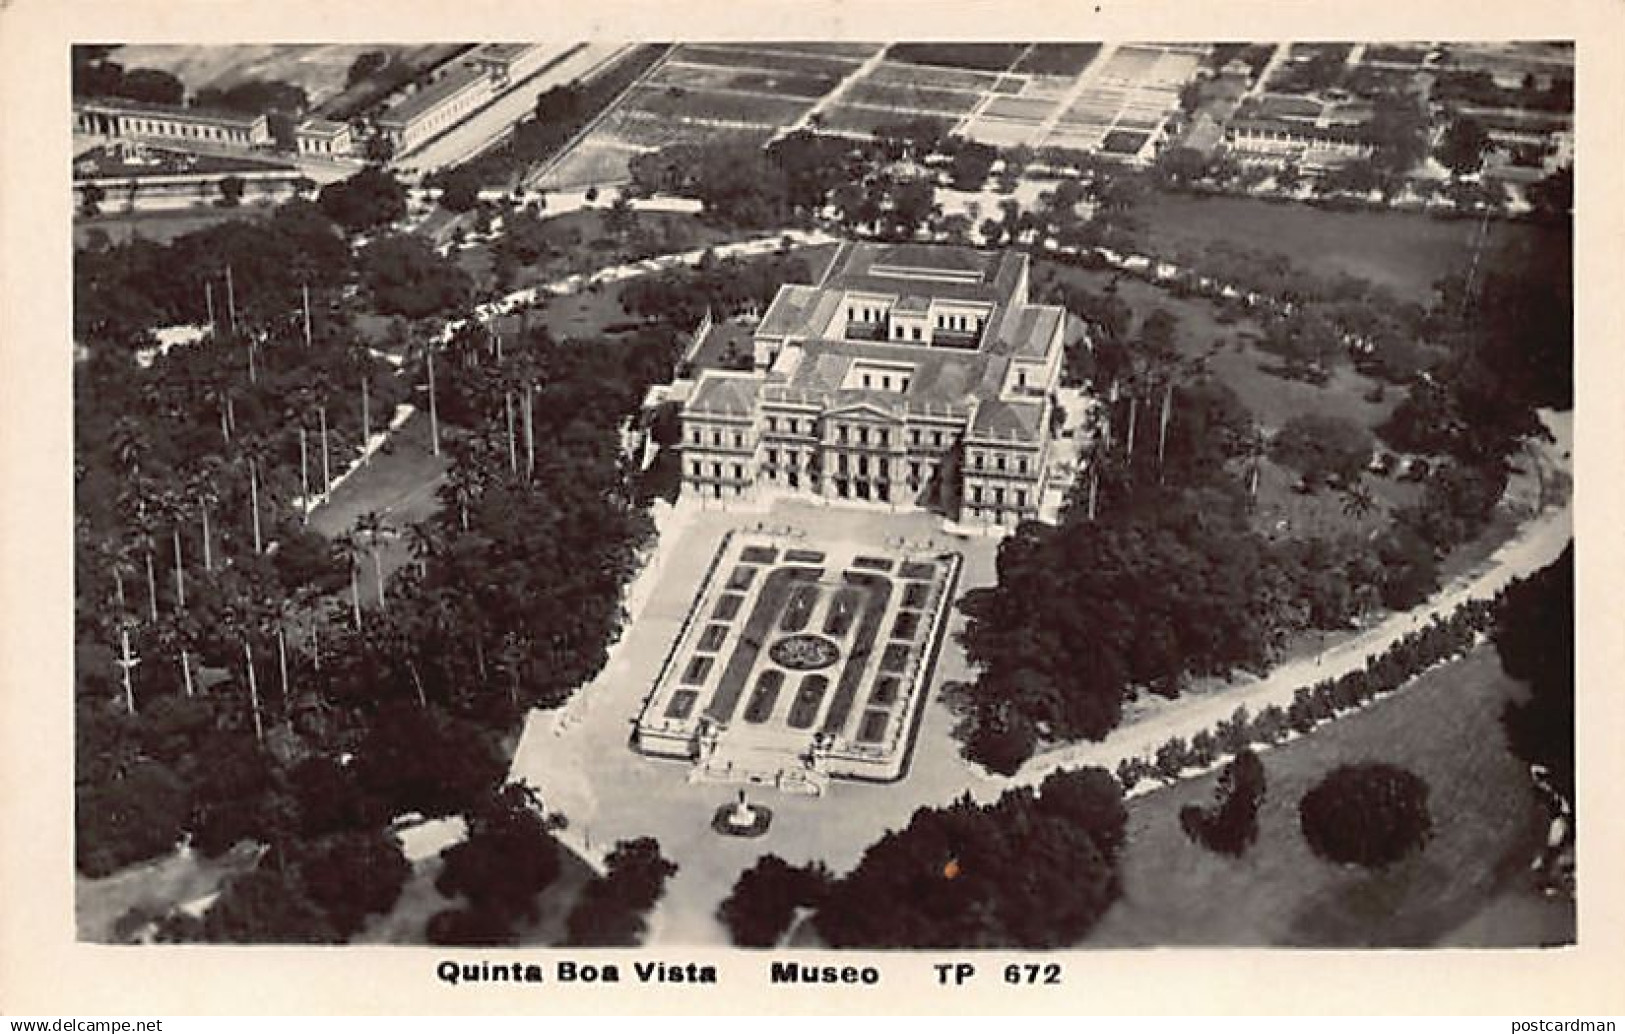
column 405, row 276
column 368, row 200
column 365, row 66
column 256, row 97
column 1534, row 634
column 1371, row 814
column 1034, row 870
column 121, row 292
column 612, row 910
column 764, row 901
column 95, row 75
column 1462, row 147
column 722, row 287
column 261, row 702
column 1323, row 449
column 507, row 859
column 1086, row 611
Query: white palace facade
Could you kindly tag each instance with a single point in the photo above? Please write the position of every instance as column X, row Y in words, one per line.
column 911, row 376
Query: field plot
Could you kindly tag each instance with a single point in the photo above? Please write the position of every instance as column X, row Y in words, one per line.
column 989, row 57
column 1004, row 94
column 707, row 93
column 861, row 120
column 937, row 78
column 711, row 77
column 1066, row 59
column 908, row 99
column 716, row 106
column 763, row 57
column 1128, row 100
column 1021, row 109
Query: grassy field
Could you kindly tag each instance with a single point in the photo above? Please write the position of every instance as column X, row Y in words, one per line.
column 1272, row 399
column 581, row 244
column 1229, row 355
column 1445, row 727
column 1405, row 251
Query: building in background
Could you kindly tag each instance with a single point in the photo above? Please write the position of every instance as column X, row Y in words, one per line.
column 912, row 376
column 124, row 119
column 470, row 83
column 323, row 138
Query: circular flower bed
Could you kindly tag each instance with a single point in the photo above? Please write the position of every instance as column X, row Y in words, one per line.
column 804, row 652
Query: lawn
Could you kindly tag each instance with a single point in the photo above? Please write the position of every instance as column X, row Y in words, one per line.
column 399, row 483
column 1404, row 251
column 1271, row 399
column 1229, row 355
column 1446, row 728
column 579, row 242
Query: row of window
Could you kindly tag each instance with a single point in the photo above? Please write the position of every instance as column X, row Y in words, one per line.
column 979, row 459
column 157, row 128
column 977, row 495
column 865, row 435
column 696, row 436
column 697, row 469
column 885, row 381
column 945, row 320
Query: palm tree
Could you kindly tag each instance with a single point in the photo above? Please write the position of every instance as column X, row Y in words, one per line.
column 1357, row 501
column 348, row 548
column 424, row 542
column 203, row 488
column 372, row 528
column 173, row 506
column 176, row 633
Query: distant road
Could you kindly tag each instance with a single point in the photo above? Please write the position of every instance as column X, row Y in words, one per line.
column 495, row 121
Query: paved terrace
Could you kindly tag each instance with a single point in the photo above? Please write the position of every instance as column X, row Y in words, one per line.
column 580, row 760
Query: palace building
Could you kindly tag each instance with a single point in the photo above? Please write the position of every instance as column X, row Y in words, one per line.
column 912, row 376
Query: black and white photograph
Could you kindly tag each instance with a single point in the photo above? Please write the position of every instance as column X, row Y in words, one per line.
column 808, row 499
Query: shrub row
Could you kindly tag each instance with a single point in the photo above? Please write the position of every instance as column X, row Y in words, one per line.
column 1441, row 640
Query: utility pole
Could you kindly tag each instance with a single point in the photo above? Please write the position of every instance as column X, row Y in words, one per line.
column 231, row 299
column 304, row 290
